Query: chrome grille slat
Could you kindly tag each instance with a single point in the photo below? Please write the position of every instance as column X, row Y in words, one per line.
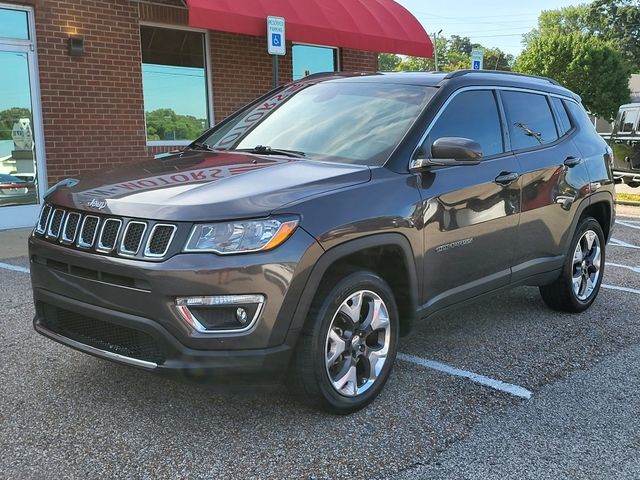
column 160, row 240
column 108, row 238
column 43, row 221
column 88, row 231
column 132, row 238
column 55, row 224
column 70, row 228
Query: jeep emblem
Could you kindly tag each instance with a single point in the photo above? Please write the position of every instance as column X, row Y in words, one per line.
column 99, row 204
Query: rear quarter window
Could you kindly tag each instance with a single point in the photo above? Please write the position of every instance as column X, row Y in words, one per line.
column 579, row 116
column 530, row 120
column 564, row 123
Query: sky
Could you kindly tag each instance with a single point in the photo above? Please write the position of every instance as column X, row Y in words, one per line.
column 498, row 23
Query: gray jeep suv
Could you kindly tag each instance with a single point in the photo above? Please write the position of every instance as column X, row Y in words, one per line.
column 296, row 240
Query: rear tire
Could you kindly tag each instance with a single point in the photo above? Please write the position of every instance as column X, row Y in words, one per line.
column 347, row 348
column 579, row 283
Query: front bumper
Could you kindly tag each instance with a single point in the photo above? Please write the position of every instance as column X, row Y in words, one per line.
column 102, row 305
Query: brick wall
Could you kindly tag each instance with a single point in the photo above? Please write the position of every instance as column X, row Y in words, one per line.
column 93, row 106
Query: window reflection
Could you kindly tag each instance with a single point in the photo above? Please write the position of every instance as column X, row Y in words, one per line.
column 14, row 24
column 174, row 83
column 308, row 59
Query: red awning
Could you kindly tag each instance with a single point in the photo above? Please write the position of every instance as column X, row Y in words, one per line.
column 373, row 25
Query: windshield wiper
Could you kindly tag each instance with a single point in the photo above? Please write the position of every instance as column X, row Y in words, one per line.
column 267, row 150
column 201, row 146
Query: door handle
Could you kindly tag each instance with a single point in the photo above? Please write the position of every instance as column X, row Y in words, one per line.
column 572, row 162
column 507, row 178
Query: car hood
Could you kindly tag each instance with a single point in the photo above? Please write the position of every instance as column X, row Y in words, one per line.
column 197, row 186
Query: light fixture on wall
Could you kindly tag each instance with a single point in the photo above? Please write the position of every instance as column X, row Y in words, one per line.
column 76, row 46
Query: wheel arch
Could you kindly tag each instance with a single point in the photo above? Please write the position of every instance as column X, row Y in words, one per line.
column 366, row 252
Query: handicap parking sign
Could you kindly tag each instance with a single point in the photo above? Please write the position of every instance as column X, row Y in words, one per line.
column 276, row 36
column 276, row 39
column 476, row 65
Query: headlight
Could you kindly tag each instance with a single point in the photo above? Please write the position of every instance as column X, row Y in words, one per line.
column 240, row 237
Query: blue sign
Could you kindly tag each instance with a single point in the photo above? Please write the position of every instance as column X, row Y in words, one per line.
column 276, row 39
column 476, row 64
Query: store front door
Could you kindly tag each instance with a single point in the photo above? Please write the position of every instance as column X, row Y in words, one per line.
column 23, row 178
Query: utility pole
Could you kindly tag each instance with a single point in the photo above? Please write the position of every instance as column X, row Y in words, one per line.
column 435, row 48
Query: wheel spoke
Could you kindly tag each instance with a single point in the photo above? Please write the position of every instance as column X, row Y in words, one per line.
column 352, row 308
column 590, row 237
column 337, row 346
column 377, row 317
column 577, row 254
column 376, row 360
column 348, row 382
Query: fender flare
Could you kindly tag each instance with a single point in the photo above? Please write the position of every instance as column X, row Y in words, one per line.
column 331, row 256
column 597, row 197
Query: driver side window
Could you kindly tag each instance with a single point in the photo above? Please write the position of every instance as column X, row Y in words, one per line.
column 472, row 114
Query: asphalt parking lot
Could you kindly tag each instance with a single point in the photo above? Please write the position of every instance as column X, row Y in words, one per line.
column 64, row 414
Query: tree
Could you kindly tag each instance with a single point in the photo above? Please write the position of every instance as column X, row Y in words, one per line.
column 388, row 62
column 461, row 45
column 586, row 64
column 9, row 117
column 165, row 124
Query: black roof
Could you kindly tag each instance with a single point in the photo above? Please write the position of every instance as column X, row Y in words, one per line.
column 459, row 78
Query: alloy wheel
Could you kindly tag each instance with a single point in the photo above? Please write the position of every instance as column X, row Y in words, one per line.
column 587, row 260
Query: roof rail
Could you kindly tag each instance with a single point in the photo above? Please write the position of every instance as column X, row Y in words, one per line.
column 460, row 73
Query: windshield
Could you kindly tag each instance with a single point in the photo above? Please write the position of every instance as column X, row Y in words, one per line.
column 350, row 122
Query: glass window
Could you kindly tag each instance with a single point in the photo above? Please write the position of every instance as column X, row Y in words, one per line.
column 629, row 120
column 174, row 81
column 308, row 59
column 579, row 116
column 530, row 119
column 350, row 122
column 563, row 117
column 473, row 115
column 14, row 24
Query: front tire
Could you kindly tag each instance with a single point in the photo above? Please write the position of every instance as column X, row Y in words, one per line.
column 348, row 346
column 579, row 283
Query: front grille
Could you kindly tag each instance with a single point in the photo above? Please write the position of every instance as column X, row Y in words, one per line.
column 106, row 336
column 132, row 238
column 107, row 235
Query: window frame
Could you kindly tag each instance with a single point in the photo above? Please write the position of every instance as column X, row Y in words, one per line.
column 336, row 55
column 30, row 11
column 208, row 84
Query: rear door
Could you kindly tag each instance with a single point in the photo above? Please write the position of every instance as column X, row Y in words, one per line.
column 553, row 176
column 470, row 212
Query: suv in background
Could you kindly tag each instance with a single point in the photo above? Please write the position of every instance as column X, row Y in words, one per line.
column 300, row 237
column 625, row 142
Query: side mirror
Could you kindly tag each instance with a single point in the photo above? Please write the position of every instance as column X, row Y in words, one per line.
column 450, row 151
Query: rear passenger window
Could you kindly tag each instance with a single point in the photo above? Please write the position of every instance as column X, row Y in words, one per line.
column 565, row 123
column 579, row 116
column 530, row 119
column 473, row 115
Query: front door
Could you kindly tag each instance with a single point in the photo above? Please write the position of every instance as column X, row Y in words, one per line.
column 471, row 212
column 22, row 176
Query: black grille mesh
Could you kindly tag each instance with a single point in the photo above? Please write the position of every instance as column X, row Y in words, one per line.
column 44, row 216
column 106, row 336
column 110, row 234
column 56, row 223
column 88, row 233
column 71, row 227
column 160, row 240
column 133, row 237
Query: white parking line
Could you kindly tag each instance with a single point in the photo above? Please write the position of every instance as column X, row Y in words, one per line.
column 509, row 388
column 622, row 289
column 627, row 224
column 14, row 268
column 626, row 267
column 614, row 242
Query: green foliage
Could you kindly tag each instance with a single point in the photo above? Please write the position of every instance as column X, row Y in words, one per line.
column 9, row 117
column 588, row 65
column 388, row 62
column 165, row 124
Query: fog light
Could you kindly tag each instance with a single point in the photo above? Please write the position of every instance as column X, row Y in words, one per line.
column 221, row 314
column 242, row 316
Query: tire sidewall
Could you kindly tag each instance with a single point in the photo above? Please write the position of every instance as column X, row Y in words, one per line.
column 354, row 282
